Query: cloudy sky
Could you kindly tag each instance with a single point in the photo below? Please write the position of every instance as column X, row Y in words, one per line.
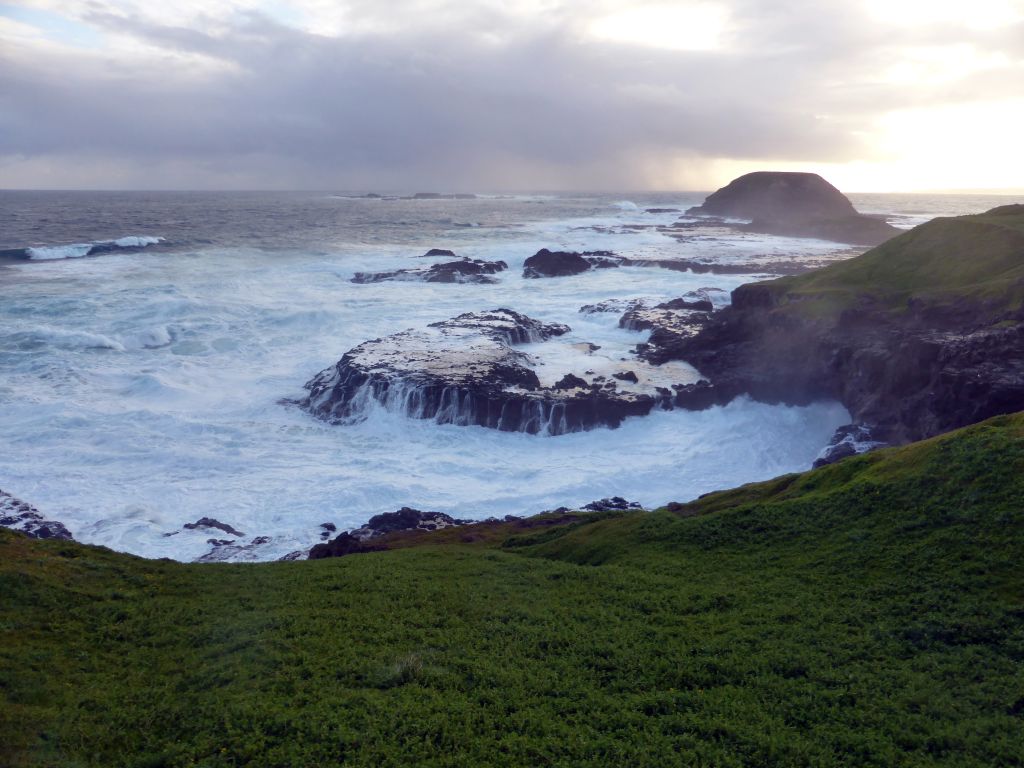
column 878, row 95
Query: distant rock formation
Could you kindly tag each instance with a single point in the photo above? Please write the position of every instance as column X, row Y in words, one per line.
column 547, row 263
column 796, row 205
column 21, row 516
column 465, row 271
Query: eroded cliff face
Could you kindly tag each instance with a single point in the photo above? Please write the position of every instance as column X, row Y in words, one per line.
column 922, row 335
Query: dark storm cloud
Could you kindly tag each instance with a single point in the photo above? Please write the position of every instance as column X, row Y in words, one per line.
column 448, row 106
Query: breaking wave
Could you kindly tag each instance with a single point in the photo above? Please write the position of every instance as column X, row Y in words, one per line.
column 78, row 250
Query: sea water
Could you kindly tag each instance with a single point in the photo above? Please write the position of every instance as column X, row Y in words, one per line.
column 145, row 387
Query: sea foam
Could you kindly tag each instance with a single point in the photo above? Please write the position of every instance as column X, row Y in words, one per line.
column 78, row 250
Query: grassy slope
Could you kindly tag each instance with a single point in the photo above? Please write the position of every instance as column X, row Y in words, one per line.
column 968, row 258
column 868, row 613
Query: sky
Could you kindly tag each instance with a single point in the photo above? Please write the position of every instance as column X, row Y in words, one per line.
column 503, row 95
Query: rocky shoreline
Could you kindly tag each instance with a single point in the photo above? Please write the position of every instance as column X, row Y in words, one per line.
column 22, row 516
column 907, row 362
column 918, row 336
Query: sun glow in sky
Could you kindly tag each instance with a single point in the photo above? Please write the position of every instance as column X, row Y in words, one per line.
column 673, row 26
column 879, row 95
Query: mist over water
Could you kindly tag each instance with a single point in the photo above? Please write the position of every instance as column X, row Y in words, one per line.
column 140, row 389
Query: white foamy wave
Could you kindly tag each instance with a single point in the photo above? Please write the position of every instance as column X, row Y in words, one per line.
column 152, row 338
column 64, row 339
column 137, row 241
column 626, row 205
column 46, row 253
column 78, row 250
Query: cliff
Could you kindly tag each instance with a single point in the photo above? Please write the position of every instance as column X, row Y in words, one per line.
column 920, row 335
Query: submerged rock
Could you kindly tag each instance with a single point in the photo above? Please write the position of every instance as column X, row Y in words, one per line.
column 547, row 263
column 610, row 305
column 209, row 522
column 225, row 550
column 22, row 516
column 796, row 205
column 468, row 371
column 465, row 271
column 847, row 441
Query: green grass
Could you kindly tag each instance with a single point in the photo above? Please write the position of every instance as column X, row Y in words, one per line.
column 976, row 260
column 870, row 613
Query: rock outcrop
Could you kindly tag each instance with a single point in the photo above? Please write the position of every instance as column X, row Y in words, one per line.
column 361, row 539
column 22, row 516
column 468, row 371
column 670, row 323
column 547, row 263
column 405, row 519
column 848, row 441
column 796, row 205
column 464, row 271
column 209, row 522
column 918, row 336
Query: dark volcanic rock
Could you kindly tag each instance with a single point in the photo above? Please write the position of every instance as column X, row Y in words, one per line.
column 933, row 343
column 438, row 253
column 662, row 210
column 570, row 381
column 209, row 522
column 465, row 271
column 700, row 305
column 794, row 204
column 21, row 516
column 547, row 263
column 777, row 267
column 467, row 371
column 776, row 195
column 341, row 545
column 626, row 376
column 359, row 540
column 405, row 519
column 669, row 323
column 611, row 305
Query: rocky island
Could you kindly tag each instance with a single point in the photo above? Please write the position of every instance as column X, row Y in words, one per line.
column 796, row 205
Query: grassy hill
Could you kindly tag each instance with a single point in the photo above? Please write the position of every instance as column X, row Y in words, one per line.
column 867, row 613
column 975, row 259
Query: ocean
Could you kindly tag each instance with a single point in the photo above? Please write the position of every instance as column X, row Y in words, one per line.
column 150, row 343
